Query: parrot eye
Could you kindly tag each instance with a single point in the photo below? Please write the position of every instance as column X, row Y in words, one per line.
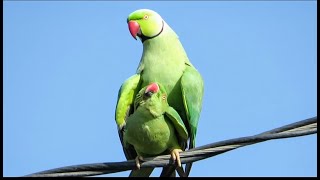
column 164, row 97
column 145, row 17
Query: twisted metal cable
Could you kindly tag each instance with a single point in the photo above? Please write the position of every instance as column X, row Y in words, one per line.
column 301, row 128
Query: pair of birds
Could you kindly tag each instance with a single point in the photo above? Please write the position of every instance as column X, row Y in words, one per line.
column 158, row 108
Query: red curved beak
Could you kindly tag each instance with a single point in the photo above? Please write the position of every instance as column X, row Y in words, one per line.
column 153, row 87
column 134, row 28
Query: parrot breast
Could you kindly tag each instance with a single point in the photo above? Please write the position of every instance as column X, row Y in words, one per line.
column 164, row 61
column 150, row 137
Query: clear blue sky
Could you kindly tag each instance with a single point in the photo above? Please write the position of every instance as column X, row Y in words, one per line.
column 65, row 61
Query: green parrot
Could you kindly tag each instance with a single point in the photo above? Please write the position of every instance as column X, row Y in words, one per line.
column 154, row 128
column 164, row 61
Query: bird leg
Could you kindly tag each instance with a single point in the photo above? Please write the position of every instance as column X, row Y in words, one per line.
column 175, row 156
column 138, row 159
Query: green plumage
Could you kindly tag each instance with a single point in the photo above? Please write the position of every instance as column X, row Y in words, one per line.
column 163, row 61
column 149, row 129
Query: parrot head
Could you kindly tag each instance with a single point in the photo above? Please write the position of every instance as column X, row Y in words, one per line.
column 153, row 98
column 145, row 24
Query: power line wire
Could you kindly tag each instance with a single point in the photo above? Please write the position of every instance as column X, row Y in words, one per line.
column 300, row 128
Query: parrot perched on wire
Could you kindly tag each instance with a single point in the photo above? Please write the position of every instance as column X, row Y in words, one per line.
column 154, row 128
column 164, row 61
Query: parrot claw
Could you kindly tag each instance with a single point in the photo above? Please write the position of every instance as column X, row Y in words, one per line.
column 175, row 156
column 138, row 159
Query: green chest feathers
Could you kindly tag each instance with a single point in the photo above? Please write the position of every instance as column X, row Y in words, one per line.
column 149, row 137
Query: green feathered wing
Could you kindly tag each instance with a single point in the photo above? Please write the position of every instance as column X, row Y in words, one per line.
column 124, row 108
column 192, row 92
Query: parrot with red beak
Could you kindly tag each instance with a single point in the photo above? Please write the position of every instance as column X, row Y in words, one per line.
column 154, row 128
column 164, row 61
